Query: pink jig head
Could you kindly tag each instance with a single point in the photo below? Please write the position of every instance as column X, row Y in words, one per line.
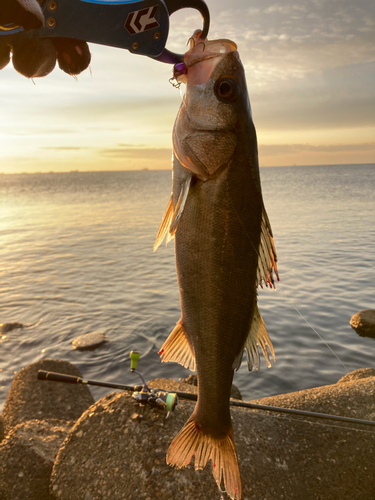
column 180, row 69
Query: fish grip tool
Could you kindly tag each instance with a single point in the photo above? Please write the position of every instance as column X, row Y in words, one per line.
column 142, row 26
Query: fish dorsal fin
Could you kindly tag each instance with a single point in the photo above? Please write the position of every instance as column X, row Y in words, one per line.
column 165, row 224
column 267, row 262
column 177, row 348
column 257, row 336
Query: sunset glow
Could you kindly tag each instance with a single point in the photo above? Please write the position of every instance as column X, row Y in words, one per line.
column 310, row 75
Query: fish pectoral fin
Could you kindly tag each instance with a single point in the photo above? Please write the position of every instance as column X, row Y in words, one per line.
column 180, row 204
column 165, row 224
column 172, row 215
column 267, row 261
column 257, row 336
column 177, row 348
column 191, row 441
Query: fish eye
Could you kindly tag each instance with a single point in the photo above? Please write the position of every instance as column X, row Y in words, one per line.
column 226, row 90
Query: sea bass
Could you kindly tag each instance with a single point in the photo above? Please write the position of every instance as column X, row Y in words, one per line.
column 224, row 250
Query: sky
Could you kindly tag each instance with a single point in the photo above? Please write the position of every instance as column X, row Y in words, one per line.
column 310, row 70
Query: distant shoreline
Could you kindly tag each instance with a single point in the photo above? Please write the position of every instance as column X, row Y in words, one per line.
column 168, row 169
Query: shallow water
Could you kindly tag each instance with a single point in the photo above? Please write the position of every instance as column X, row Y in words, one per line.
column 76, row 251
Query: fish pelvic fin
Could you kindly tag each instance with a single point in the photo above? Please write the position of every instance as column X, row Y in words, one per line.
column 257, row 336
column 165, row 224
column 191, row 441
column 177, row 348
column 267, row 261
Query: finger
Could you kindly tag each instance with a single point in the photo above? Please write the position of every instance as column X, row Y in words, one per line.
column 25, row 13
column 73, row 55
column 34, row 58
column 4, row 55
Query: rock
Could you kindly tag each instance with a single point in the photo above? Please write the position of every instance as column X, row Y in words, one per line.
column 30, row 399
column 171, row 385
column 89, row 341
column 363, row 322
column 107, row 454
column 27, row 456
column 193, row 380
column 8, row 327
column 1, row 429
column 357, row 375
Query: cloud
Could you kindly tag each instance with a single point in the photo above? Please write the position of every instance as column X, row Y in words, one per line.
column 136, row 153
column 305, row 35
column 63, row 148
column 310, row 72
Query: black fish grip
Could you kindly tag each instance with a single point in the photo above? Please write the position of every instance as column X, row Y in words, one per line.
column 141, row 27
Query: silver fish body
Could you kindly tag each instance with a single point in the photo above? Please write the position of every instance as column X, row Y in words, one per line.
column 224, row 249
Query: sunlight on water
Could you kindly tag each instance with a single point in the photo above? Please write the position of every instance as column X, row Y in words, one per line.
column 76, row 250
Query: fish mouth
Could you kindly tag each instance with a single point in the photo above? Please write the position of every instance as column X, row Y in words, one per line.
column 202, row 59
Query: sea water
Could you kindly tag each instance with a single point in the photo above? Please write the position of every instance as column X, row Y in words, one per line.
column 76, row 252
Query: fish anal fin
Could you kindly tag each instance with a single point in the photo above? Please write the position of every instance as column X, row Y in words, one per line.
column 267, row 262
column 257, row 336
column 192, row 441
column 165, row 224
column 177, row 348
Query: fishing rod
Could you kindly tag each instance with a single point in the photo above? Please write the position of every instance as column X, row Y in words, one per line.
column 169, row 400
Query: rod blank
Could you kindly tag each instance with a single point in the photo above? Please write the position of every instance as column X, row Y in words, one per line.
column 70, row 379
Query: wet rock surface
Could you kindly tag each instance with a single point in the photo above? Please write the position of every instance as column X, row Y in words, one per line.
column 29, row 398
column 89, row 341
column 8, row 327
column 111, row 452
column 363, row 322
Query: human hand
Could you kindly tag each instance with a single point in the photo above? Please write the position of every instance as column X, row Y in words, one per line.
column 37, row 57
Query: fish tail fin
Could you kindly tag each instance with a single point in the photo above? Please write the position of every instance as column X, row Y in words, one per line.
column 191, row 441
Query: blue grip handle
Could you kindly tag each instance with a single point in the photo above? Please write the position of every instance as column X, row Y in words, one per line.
column 139, row 26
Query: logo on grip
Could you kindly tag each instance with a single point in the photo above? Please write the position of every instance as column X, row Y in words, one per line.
column 141, row 20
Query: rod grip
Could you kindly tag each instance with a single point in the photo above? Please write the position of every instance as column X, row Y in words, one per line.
column 58, row 377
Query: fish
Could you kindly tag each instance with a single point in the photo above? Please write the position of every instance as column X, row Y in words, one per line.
column 224, row 250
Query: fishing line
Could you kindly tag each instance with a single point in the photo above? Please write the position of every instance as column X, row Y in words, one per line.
column 282, row 291
column 318, row 424
column 313, row 329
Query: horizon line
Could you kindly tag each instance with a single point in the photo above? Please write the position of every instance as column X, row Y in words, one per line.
column 169, row 169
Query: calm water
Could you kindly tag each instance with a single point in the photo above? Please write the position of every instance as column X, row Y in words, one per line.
column 76, row 250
